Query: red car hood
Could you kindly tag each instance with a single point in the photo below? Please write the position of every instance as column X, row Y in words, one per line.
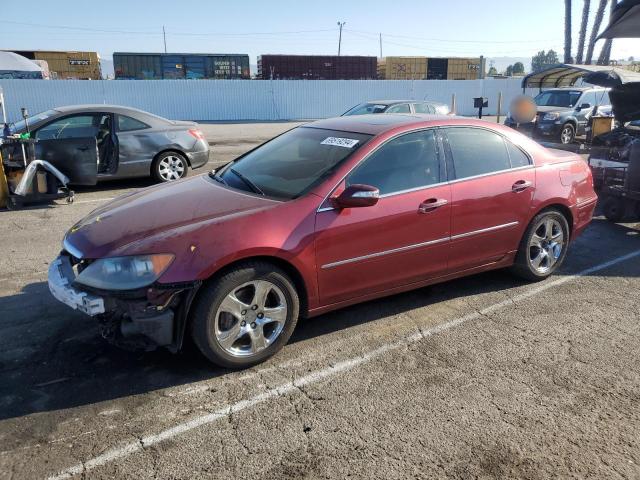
column 157, row 209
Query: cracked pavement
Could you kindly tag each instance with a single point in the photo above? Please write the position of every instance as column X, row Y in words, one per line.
column 540, row 386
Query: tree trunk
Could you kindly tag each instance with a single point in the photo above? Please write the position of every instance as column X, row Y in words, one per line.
column 605, row 53
column 595, row 29
column 583, row 31
column 567, row 31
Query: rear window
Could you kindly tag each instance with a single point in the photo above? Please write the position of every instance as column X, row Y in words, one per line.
column 365, row 108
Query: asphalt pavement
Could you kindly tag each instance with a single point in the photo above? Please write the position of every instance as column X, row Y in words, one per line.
column 483, row 377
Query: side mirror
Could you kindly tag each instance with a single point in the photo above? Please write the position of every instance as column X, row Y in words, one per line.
column 585, row 105
column 357, row 195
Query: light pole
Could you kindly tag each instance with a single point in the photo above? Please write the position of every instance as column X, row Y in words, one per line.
column 340, row 24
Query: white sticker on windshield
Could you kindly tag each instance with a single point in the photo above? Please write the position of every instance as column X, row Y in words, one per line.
column 340, row 142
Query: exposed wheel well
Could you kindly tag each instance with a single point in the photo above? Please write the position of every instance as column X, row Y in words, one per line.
column 169, row 150
column 292, row 271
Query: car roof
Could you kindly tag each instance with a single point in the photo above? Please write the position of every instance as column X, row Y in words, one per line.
column 395, row 102
column 92, row 107
column 375, row 124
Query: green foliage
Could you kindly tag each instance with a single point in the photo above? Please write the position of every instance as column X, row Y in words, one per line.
column 543, row 59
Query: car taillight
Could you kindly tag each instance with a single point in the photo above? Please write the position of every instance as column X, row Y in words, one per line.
column 196, row 133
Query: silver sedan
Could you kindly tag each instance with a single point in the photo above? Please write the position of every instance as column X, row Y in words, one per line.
column 90, row 143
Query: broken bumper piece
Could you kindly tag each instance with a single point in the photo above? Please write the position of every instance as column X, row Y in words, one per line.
column 60, row 279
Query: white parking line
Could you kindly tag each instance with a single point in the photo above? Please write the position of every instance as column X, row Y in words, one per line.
column 94, row 200
column 319, row 375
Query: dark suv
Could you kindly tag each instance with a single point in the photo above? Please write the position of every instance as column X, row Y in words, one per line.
column 564, row 113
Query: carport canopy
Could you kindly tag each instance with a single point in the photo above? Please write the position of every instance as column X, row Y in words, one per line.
column 566, row 75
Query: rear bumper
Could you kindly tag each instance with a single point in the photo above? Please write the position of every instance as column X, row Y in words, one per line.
column 198, row 159
column 583, row 215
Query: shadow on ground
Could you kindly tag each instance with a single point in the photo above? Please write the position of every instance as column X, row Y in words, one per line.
column 55, row 358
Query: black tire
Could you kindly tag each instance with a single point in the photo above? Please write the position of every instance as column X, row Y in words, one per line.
column 570, row 134
column 522, row 266
column 613, row 209
column 210, row 298
column 164, row 173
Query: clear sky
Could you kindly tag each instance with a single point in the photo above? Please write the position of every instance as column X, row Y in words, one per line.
column 494, row 28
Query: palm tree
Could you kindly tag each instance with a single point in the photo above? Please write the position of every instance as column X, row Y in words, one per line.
column 605, row 53
column 595, row 29
column 567, row 31
column 583, row 31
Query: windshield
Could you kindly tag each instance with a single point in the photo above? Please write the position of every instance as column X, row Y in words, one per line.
column 289, row 165
column 365, row 108
column 21, row 125
column 558, row 98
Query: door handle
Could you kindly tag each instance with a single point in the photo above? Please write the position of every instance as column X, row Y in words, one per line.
column 521, row 185
column 431, row 204
column 83, row 149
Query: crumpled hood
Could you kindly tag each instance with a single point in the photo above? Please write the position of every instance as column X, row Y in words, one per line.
column 151, row 211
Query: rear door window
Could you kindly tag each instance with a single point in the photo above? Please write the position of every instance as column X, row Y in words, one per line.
column 423, row 108
column 128, row 124
column 408, row 162
column 401, row 108
column 476, row 151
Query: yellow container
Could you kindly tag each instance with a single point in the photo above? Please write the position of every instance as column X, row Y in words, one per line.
column 463, row 68
column 402, row 68
column 71, row 64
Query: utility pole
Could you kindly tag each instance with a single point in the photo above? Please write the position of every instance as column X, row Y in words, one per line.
column 340, row 24
column 381, row 45
column 164, row 36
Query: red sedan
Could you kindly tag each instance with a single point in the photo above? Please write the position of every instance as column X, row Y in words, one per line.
column 328, row 214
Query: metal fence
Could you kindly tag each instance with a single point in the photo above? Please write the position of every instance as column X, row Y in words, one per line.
column 231, row 100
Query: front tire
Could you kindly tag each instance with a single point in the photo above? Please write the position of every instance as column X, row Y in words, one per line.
column 567, row 134
column 245, row 316
column 543, row 246
column 169, row 166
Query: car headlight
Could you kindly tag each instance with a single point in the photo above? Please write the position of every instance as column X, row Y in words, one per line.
column 125, row 273
column 550, row 116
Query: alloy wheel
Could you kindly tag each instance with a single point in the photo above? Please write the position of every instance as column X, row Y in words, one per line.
column 171, row 168
column 250, row 318
column 546, row 244
column 567, row 134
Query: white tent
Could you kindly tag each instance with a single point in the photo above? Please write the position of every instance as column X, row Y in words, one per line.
column 13, row 65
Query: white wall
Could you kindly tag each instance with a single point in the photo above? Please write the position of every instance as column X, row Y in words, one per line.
column 231, row 100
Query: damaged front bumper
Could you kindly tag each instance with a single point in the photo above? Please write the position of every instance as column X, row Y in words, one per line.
column 142, row 319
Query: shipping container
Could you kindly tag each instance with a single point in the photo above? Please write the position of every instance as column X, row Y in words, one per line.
column 67, row 64
column 316, row 67
column 402, row 68
column 464, row 69
column 190, row 66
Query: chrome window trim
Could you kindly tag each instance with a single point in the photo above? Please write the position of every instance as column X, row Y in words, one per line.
column 418, row 245
column 498, row 172
column 421, row 129
column 416, row 189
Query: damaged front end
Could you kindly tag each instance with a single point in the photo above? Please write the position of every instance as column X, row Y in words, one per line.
column 141, row 317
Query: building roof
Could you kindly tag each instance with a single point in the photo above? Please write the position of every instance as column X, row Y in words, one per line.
column 566, row 75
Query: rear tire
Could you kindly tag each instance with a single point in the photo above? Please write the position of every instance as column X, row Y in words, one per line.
column 543, row 247
column 169, row 166
column 235, row 324
column 613, row 209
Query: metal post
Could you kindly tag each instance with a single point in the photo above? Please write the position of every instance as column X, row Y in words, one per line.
column 340, row 24
column 164, row 37
column 453, row 103
column 381, row 45
column 499, row 106
column 4, row 111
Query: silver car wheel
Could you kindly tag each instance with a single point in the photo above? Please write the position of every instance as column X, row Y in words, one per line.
column 171, row 168
column 250, row 318
column 545, row 245
column 567, row 134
